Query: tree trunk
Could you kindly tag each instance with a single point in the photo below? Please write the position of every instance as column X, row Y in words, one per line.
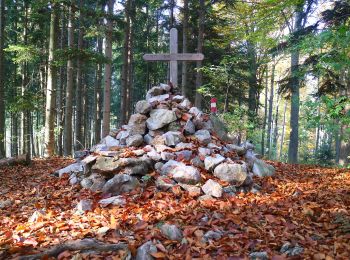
column 125, row 67
column 344, row 149
column 25, row 133
column 51, row 87
column 200, row 43
column 98, row 97
column 68, row 129
column 253, row 85
column 275, row 131
column 108, row 73
column 265, row 113
column 184, row 47
column 2, row 87
column 269, row 121
column 283, row 129
column 78, row 91
column 172, row 7
column 295, row 94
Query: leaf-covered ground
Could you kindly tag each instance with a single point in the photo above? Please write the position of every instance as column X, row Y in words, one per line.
column 303, row 205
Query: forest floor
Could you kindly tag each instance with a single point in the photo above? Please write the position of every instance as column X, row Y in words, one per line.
column 304, row 205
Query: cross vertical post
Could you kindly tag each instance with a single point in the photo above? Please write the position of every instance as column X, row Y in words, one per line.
column 173, row 50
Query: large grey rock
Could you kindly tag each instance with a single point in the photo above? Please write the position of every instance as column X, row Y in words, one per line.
column 110, row 141
column 186, row 174
column 178, row 98
column 195, row 111
column 232, row 173
column 203, row 136
column 238, row 149
column 75, row 167
column 84, row 205
column 122, row 136
column 148, row 139
column 154, row 155
column 262, row 169
column 186, row 104
column 166, row 156
column 203, row 152
column 197, row 162
column 184, row 155
column 291, row 250
column 143, row 107
column 160, row 118
column 189, row 128
column 212, row 235
column 220, row 128
column 120, row 183
column 137, row 124
column 259, row 256
column 212, row 188
column 155, row 91
column 191, row 189
column 184, row 145
column 172, row 232
column 210, row 162
column 172, row 138
column 164, row 183
column 174, row 126
column 108, row 165
column 134, row 140
column 169, row 166
column 159, row 98
column 144, row 252
column 115, row 200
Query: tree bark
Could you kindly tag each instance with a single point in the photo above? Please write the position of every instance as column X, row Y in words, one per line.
column 184, row 47
column 68, row 129
column 269, row 120
column 253, row 85
column 51, row 87
column 108, row 73
column 2, row 87
column 283, row 130
column 98, row 97
column 79, row 142
column 200, row 43
column 265, row 113
column 344, row 149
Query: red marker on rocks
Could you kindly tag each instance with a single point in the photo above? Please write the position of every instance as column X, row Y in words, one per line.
column 213, row 107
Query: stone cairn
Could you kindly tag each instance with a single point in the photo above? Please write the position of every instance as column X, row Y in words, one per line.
column 176, row 140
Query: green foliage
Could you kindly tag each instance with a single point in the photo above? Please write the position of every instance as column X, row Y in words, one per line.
column 24, row 53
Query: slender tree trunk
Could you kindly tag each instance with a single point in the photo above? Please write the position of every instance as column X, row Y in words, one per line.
column 2, row 87
column 283, row 130
column 108, row 73
column 98, row 97
column 125, row 67
column 68, row 129
column 295, row 94
column 25, row 133
column 253, row 85
column 172, row 20
column 265, row 113
column 79, row 142
column 269, row 121
column 51, row 88
column 130, row 67
column 344, row 149
column 184, row 47
column 275, row 131
column 200, row 43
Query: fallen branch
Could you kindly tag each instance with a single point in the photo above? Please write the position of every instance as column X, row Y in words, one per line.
column 23, row 159
column 79, row 245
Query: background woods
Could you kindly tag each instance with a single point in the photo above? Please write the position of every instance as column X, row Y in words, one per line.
column 71, row 71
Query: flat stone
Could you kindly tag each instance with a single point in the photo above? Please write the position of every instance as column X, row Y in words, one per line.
column 115, row 200
column 169, row 166
column 120, row 183
column 84, row 205
column 160, row 118
column 137, row 124
column 213, row 146
column 172, row 138
column 148, row 139
column 172, row 232
column 158, row 166
column 259, row 256
column 143, row 107
column 154, row 155
column 174, row 126
column 232, row 173
column 155, row 91
column 205, row 197
column 262, row 169
column 164, row 183
column 193, row 191
column 210, row 162
column 159, row 98
column 212, row 188
column 203, row 152
column 212, row 235
column 220, row 128
column 165, row 87
column 238, row 149
column 197, row 162
column 195, row 111
column 203, row 136
column 144, row 252
column 139, row 152
column 160, row 147
column 134, row 140
column 184, row 146
column 178, row 98
column 166, row 156
column 185, row 104
column 184, row 155
column 155, row 133
column 5, row 203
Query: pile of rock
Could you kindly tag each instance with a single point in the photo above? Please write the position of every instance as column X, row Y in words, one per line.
column 181, row 144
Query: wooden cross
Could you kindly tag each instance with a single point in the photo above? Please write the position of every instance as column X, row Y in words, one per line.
column 173, row 56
